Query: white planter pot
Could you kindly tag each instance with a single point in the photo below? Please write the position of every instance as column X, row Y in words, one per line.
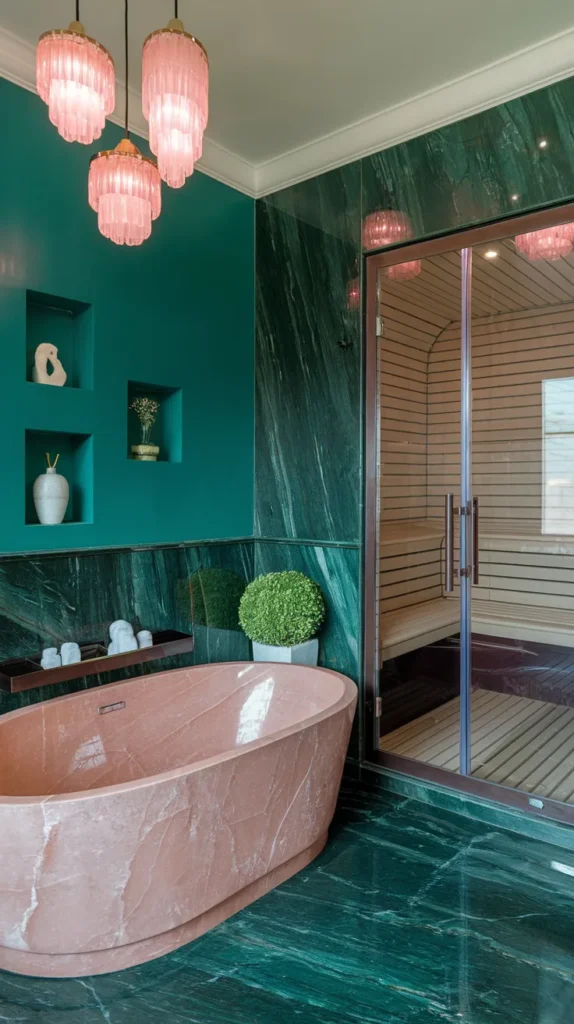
column 51, row 497
column 300, row 654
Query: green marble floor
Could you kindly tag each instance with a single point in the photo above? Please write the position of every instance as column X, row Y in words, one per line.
column 412, row 915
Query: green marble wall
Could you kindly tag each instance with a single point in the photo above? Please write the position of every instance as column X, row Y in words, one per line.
column 308, row 439
column 50, row 598
column 307, row 366
column 466, row 173
column 335, row 567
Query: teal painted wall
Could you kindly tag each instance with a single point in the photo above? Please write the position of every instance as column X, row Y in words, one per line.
column 176, row 312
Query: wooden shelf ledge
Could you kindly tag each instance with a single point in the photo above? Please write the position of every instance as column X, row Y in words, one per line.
column 21, row 674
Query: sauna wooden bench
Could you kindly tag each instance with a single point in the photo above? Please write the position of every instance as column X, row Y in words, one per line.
column 504, row 606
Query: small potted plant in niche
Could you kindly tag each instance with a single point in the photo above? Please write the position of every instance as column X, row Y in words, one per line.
column 281, row 613
column 146, row 410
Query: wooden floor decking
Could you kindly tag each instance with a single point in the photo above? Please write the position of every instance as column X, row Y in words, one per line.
column 518, row 742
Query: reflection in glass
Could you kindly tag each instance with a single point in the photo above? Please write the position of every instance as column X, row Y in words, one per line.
column 211, row 598
column 385, row 227
column 558, row 455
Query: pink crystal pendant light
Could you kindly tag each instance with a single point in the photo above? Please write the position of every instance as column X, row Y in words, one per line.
column 175, row 81
column 124, row 187
column 385, row 227
column 75, row 77
column 404, row 271
column 353, row 294
column 547, row 244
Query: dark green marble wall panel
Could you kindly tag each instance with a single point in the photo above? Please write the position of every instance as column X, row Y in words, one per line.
column 337, row 571
column 308, row 361
column 308, row 438
column 47, row 599
column 466, row 173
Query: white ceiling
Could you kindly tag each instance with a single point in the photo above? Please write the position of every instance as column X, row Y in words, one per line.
column 304, row 85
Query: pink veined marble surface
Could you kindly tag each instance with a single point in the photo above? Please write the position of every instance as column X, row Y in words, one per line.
column 126, row 833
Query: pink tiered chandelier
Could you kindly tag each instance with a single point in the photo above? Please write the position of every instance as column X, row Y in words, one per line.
column 547, row 244
column 175, row 81
column 75, row 77
column 124, row 187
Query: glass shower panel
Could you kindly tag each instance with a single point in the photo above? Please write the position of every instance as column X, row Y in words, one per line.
column 418, row 329
column 522, row 704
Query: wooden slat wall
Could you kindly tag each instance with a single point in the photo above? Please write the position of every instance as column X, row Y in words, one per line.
column 410, row 557
column 523, row 334
column 512, row 354
column 403, row 381
column 409, row 566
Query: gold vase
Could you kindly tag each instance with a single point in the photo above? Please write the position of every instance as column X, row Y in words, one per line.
column 145, row 452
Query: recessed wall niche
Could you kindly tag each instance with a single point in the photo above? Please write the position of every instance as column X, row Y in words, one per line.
column 75, row 463
column 167, row 429
column 68, row 325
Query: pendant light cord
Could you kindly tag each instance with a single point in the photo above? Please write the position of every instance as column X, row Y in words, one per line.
column 177, row 8
column 127, row 67
column 77, row 10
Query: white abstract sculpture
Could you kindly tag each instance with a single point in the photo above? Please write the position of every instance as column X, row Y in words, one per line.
column 144, row 638
column 47, row 353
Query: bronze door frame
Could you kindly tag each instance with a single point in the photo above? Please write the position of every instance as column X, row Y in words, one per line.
column 454, row 241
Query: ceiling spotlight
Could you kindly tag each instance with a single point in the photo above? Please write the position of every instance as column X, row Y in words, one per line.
column 515, row 197
column 491, row 254
column 543, row 144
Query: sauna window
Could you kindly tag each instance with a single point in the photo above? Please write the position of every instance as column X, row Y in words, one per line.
column 558, row 455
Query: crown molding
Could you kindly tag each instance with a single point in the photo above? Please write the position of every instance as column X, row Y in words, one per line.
column 18, row 65
column 532, row 68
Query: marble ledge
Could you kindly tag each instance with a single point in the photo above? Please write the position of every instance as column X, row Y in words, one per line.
column 6, row 556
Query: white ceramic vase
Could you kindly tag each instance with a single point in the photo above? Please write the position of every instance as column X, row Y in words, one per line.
column 300, row 654
column 51, row 497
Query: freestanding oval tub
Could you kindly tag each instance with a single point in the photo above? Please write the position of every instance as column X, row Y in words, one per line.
column 136, row 816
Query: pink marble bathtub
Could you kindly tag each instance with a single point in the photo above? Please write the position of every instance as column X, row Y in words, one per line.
column 125, row 833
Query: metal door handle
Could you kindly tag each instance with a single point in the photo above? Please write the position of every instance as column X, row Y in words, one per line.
column 475, row 551
column 448, row 543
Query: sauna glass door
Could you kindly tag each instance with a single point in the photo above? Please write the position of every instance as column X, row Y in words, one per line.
column 418, row 616
column 522, row 349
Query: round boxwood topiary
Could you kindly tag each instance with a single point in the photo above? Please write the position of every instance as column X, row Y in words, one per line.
column 282, row 609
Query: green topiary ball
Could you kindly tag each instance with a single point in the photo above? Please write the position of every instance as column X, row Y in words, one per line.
column 282, row 609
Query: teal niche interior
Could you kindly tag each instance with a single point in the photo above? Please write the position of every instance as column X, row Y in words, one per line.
column 166, row 432
column 60, row 343
column 75, row 462
column 67, row 325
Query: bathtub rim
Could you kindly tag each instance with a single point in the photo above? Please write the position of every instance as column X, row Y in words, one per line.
column 348, row 698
